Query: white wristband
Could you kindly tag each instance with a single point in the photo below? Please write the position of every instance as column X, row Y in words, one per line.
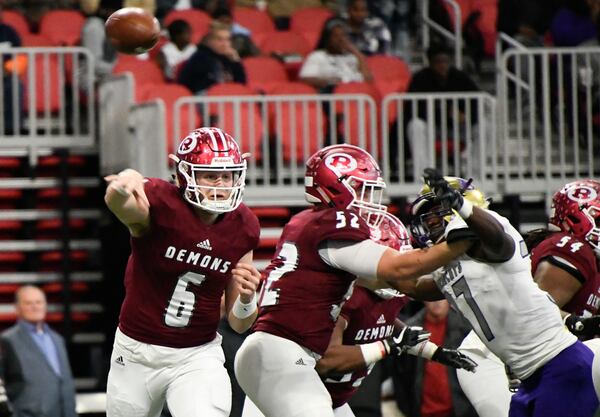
column 373, row 352
column 241, row 310
column 425, row 349
column 466, row 210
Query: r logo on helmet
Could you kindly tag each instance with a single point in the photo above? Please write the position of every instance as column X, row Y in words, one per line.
column 187, row 145
column 341, row 162
column 581, row 194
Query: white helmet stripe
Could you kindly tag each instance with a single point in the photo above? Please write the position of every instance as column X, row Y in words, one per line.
column 213, row 139
column 223, row 140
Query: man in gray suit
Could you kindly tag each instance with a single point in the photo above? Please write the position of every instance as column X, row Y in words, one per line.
column 36, row 369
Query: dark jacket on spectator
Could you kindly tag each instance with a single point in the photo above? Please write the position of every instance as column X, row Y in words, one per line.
column 206, row 68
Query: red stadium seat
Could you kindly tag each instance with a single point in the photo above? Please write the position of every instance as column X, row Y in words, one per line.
column 258, row 22
column 62, row 26
column 250, row 126
column 9, row 229
column 304, row 122
column 390, row 74
column 197, row 19
column 309, row 22
column 144, row 71
column 264, row 73
column 17, row 21
column 285, row 43
column 349, row 115
column 169, row 93
column 33, row 39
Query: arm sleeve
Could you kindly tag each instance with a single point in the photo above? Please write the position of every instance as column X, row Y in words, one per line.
column 358, row 258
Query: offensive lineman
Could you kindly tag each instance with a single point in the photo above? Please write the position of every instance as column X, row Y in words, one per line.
column 320, row 253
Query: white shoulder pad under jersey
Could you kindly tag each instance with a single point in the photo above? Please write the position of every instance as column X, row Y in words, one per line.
column 515, row 319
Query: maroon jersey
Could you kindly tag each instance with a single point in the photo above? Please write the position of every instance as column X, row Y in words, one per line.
column 370, row 318
column 577, row 258
column 177, row 272
column 302, row 295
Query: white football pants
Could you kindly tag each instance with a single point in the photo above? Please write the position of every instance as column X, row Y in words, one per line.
column 279, row 377
column 193, row 381
column 487, row 388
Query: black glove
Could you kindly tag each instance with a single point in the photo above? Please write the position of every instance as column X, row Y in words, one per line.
column 446, row 195
column 5, row 408
column 583, row 327
column 454, row 359
column 408, row 337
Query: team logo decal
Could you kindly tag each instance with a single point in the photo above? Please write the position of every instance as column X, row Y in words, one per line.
column 581, row 194
column 187, row 145
column 341, row 162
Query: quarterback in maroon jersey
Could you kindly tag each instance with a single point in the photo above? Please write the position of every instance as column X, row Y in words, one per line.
column 320, row 253
column 190, row 243
column 368, row 319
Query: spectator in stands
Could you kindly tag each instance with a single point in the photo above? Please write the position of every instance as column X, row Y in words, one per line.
column 369, row 34
column 535, row 14
column 336, row 60
column 148, row 5
column 34, row 358
column 240, row 36
column 438, row 77
column 209, row 6
column 426, row 388
column 93, row 37
column 11, row 85
column 177, row 50
column 215, row 61
column 574, row 23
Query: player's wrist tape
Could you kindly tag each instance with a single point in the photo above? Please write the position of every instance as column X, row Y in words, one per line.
column 424, row 349
column 241, row 310
column 466, row 210
column 373, row 352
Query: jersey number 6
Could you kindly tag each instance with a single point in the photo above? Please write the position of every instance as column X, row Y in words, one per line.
column 182, row 302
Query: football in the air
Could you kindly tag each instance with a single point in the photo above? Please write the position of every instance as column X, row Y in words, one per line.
column 132, row 30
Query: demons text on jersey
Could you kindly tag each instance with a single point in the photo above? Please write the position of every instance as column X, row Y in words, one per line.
column 196, row 258
column 374, row 333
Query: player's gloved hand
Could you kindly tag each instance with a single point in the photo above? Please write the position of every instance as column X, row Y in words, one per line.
column 408, row 337
column 447, row 195
column 454, row 359
column 5, row 408
column 583, row 327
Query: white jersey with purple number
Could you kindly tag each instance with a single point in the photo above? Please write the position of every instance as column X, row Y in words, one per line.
column 512, row 316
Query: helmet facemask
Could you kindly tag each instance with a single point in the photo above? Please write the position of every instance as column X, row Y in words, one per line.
column 592, row 236
column 207, row 197
column 368, row 195
column 429, row 221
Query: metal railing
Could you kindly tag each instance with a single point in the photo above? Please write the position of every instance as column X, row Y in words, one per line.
column 455, row 37
column 549, row 111
column 281, row 132
column 455, row 132
column 48, row 98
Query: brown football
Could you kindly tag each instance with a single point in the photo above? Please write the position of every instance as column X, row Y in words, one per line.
column 132, row 30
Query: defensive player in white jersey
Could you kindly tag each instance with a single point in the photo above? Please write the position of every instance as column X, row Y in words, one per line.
column 492, row 287
column 565, row 259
